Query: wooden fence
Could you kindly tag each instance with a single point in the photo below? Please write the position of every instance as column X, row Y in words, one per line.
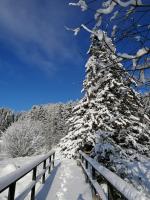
column 9, row 181
column 105, row 184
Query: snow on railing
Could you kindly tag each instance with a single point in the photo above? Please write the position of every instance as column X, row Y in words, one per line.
column 10, row 180
column 106, row 184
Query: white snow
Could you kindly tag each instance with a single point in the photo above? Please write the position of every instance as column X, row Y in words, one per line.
column 114, row 15
column 142, row 51
column 138, row 38
column 114, row 31
column 109, row 6
column 140, row 173
column 9, row 165
column 67, row 181
column 125, row 188
column 8, row 169
column 86, row 28
column 130, row 2
column 75, row 30
column 106, row 10
column 80, row 3
column 142, row 77
column 138, row 54
column 102, row 36
column 98, row 21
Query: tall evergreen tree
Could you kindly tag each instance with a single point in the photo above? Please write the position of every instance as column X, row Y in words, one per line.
column 146, row 101
column 109, row 105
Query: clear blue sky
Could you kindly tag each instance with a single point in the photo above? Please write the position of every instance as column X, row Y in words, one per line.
column 40, row 62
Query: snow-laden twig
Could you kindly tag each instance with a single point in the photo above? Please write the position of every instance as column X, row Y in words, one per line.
column 75, row 30
column 141, row 52
column 80, row 3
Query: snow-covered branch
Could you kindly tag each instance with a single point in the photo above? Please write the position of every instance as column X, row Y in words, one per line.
column 141, row 52
column 126, row 23
column 80, row 3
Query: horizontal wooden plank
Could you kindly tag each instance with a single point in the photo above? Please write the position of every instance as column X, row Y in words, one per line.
column 19, row 173
column 26, row 191
column 126, row 189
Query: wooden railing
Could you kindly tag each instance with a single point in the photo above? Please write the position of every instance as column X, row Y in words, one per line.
column 105, row 184
column 9, row 181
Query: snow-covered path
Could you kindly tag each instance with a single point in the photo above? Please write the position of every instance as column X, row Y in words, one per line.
column 66, row 182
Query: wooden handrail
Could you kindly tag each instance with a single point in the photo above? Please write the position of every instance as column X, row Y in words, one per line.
column 113, row 182
column 10, row 180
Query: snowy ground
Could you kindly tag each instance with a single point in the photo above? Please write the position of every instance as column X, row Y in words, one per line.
column 140, row 173
column 9, row 165
column 66, row 182
column 3, row 155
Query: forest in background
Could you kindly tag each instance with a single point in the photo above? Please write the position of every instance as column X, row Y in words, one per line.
column 49, row 118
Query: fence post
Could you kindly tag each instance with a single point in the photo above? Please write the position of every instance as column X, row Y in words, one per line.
column 34, row 179
column 110, row 194
column 53, row 160
column 93, row 173
column 79, row 155
column 11, row 193
column 86, row 164
column 82, row 158
column 44, row 167
column 49, row 169
column 10, row 184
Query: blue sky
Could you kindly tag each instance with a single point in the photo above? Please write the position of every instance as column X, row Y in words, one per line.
column 40, row 62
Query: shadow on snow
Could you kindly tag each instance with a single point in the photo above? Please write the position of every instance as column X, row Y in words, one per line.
column 44, row 190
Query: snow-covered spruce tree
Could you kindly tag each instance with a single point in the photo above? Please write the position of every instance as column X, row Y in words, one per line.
column 80, row 130
column 146, row 101
column 109, row 105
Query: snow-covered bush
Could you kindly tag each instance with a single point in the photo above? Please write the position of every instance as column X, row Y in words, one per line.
column 107, row 152
column 24, row 138
column 53, row 117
